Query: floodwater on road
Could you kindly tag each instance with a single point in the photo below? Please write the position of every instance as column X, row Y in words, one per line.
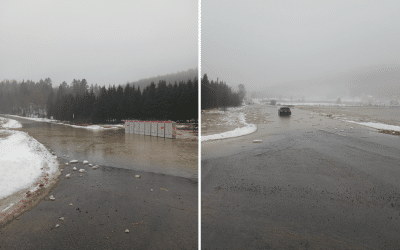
column 312, row 181
column 113, row 147
column 386, row 115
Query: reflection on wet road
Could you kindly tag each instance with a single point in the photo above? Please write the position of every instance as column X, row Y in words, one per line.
column 312, row 183
column 112, row 147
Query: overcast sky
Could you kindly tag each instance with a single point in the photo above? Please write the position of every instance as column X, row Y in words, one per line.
column 101, row 41
column 262, row 43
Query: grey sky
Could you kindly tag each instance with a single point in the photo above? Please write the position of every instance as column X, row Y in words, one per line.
column 101, row 41
column 264, row 43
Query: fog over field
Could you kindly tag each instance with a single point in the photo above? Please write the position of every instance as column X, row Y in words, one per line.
column 326, row 49
column 101, row 41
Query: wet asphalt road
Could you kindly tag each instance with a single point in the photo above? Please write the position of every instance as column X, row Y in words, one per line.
column 106, row 202
column 306, row 186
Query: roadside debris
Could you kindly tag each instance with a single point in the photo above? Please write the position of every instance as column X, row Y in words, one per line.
column 68, row 175
column 74, row 168
column 96, row 167
column 126, row 230
column 257, row 141
column 85, row 162
column 53, row 153
column 70, row 204
column 66, row 164
column 61, row 218
column 74, row 161
column 138, row 176
column 52, row 198
column 164, row 189
column 57, row 225
column 81, row 170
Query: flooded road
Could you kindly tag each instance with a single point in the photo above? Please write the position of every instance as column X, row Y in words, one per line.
column 314, row 182
column 112, row 147
column 387, row 115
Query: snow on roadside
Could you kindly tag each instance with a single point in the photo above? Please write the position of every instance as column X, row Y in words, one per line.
column 95, row 127
column 250, row 128
column 91, row 127
column 247, row 129
column 9, row 123
column 313, row 104
column 35, row 119
column 377, row 125
column 23, row 161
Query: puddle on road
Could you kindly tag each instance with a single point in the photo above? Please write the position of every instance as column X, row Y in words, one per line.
column 113, row 147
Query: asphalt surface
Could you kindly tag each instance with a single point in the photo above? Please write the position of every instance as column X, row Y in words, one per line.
column 306, row 186
column 160, row 212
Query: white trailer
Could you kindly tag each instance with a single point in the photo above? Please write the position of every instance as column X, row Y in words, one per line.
column 154, row 126
column 147, row 128
column 126, row 126
column 161, row 129
column 170, row 129
column 136, row 129
column 141, row 127
column 132, row 127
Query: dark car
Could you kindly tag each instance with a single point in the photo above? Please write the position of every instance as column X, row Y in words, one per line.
column 284, row 111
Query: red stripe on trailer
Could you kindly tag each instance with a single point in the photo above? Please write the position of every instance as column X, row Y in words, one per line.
column 135, row 121
column 167, row 121
column 160, row 122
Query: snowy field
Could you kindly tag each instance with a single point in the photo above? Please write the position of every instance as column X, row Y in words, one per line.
column 23, row 163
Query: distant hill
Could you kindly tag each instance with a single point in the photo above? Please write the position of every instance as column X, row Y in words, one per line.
column 169, row 78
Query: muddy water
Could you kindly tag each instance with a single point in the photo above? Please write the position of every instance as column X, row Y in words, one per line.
column 112, row 147
column 270, row 127
column 387, row 115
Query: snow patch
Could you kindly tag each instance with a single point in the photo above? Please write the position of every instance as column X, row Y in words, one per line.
column 377, row 125
column 9, row 123
column 23, row 160
column 251, row 128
